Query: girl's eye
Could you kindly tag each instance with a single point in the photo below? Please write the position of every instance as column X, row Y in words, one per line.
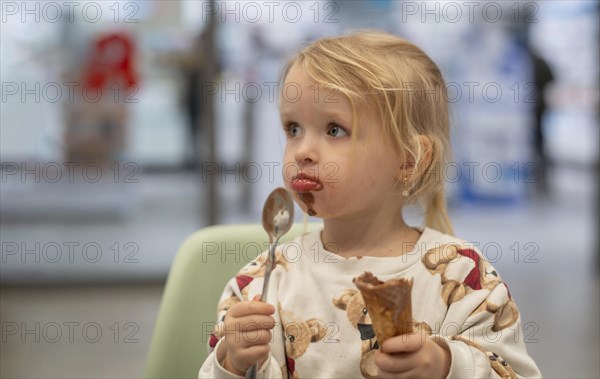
column 294, row 130
column 291, row 129
column 336, row 131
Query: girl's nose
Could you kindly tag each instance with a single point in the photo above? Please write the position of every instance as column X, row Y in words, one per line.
column 307, row 151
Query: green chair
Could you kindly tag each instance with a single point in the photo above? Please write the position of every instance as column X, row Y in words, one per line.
column 203, row 265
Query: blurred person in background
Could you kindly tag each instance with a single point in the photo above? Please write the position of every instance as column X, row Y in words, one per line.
column 191, row 66
column 542, row 77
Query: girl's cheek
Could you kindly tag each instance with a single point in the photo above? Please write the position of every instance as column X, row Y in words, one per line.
column 287, row 183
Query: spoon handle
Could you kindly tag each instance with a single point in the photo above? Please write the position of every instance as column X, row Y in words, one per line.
column 269, row 266
column 251, row 373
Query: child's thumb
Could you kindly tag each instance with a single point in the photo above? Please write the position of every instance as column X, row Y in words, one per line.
column 256, row 298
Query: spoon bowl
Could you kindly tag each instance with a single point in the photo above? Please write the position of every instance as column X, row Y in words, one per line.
column 278, row 214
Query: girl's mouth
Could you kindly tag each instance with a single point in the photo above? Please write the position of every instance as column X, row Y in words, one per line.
column 303, row 183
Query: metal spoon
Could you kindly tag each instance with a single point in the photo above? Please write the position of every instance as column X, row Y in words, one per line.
column 277, row 219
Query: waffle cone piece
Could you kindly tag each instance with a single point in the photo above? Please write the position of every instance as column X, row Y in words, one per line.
column 388, row 303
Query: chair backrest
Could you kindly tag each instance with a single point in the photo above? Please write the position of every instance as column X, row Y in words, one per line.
column 203, row 265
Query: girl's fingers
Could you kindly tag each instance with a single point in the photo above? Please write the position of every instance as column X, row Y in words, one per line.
column 251, row 308
column 255, row 338
column 383, row 374
column 249, row 323
column 406, row 343
column 395, row 363
column 249, row 330
column 254, row 354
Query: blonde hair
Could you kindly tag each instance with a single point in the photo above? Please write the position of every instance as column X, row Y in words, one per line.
column 406, row 88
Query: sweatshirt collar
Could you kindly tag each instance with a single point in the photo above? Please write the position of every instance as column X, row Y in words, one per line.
column 315, row 254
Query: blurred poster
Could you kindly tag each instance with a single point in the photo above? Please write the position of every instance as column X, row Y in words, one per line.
column 97, row 118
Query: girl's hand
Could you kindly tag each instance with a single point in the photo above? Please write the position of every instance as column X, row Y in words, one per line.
column 247, row 330
column 412, row 356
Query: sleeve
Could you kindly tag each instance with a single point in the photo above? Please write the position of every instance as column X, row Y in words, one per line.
column 245, row 285
column 482, row 329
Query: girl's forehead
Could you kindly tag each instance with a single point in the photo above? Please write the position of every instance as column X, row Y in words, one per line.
column 297, row 73
column 297, row 76
column 300, row 91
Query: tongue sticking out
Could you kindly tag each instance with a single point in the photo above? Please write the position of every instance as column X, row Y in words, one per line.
column 306, row 185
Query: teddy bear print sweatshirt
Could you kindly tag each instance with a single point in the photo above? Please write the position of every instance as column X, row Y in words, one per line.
column 323, row 329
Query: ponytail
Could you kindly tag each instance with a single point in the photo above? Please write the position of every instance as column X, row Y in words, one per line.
column 436, row 215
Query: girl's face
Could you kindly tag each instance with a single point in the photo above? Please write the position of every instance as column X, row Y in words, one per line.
column 328, row 176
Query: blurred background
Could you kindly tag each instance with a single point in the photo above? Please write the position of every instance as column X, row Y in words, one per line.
column 128, row 125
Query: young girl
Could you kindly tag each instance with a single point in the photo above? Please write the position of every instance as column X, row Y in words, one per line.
column 367, row 122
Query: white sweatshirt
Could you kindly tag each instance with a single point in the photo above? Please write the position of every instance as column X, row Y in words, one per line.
column 324, row 331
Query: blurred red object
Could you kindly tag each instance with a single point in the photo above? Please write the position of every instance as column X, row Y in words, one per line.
column 111, row 62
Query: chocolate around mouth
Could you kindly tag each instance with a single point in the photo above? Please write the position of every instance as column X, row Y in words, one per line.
column 308, row 199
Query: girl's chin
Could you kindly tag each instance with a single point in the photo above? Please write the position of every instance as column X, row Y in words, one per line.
column 311, row 211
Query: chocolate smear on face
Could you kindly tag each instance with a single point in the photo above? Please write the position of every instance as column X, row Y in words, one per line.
column 308, row 199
